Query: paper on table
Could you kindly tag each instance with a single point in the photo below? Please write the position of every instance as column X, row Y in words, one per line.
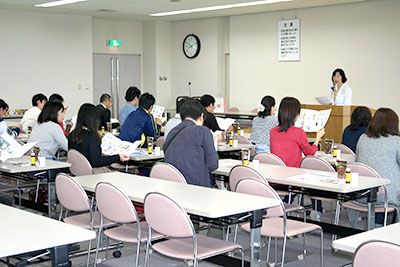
column 158, row 111
column 313, row 120
column 9, row 148
column 111, row 145
column 224, row 123
column 322, row 177
column 324, row 100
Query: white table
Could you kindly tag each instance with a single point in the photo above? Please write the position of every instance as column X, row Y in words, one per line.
column 349, row 244
column 222, row 147
column 23, row 232
column 285, row 176
column 22, row 166
column 196, row 200
column 142, row 155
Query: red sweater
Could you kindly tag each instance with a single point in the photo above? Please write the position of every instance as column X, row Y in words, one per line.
column 290, row 145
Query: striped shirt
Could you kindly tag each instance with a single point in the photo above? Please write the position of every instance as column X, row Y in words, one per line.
column 261, row 128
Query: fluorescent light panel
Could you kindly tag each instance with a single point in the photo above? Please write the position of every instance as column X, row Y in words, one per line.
column 59, row 3
column 213, row 8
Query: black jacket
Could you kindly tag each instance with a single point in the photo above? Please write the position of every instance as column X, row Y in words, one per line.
column 104, row 115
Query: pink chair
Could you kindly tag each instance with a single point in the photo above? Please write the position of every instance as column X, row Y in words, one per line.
column 117, row 207
column 377, row 253
column 166, row 171
column 79, row 163
column 276, row 224
column 73, row 198
column 244, row 141
column 364, row 170
column 240, row 172
column 345, row 149
column 166, row 217
column 160, row 142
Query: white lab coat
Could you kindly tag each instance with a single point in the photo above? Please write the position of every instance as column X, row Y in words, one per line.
column 343, row 97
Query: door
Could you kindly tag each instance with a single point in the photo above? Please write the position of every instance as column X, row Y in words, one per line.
column 113, row 75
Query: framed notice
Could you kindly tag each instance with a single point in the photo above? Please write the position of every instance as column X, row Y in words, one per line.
column 289, row 40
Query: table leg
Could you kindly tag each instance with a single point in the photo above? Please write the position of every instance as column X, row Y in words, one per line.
column 255, row 236
column 51, row 196
column 59, row 256
column 371, row 199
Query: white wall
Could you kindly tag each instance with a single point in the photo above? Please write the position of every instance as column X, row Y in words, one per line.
column 129, row 32
column 361, row 38
column 205, row 71
column 45, row 53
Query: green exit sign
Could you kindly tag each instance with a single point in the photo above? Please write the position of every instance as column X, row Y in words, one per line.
column 114, row 43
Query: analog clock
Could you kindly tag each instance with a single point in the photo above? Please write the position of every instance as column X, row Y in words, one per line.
column 191, row 46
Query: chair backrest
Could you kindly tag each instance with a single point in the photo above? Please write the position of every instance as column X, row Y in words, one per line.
column 114, row 205
column 79, row 163
column 256, row 187
column 166, row 217
column 345, row 149
column 377, row 253
column 240, row 172
column 71, row 194
column 315, row 163
column 160, row 142
column 242, row 140
column 365, row 170
column 269, row 158
column 166, row 171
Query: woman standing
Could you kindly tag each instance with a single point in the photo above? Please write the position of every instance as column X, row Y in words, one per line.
column 341, row 92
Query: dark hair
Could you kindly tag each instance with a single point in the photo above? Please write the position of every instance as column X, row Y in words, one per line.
column 38, row 98
column 3, row 104
column 146, row 100
column 289, row 108
column 384, row 123
column 361, row 116
column 104, row 97
column 87, row 118
column 56, row 98
column 191, row 108
column 341, row 73
column 268, row 102
column 207, row 100
column 180, row 103
column 132, row 93
column 50, row 112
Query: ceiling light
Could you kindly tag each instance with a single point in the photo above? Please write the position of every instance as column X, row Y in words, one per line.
column 59, row 3
column 212, row 8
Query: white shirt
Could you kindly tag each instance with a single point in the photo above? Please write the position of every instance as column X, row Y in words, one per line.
column 30, row 118
column 343, row 96
column 171, row 124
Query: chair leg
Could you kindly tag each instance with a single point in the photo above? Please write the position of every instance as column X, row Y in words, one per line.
column 268, row 248
column 283, row 250
column 227, row 233
column 242, row 256
column 88, row 256
column 290, row 198
column 304, row 244
column 137, row 254
column 276, row 250
column 147, row 256
column 97, row 247
column 107, row 245
column 236, row 232
column 337, row 215
column 322, row 248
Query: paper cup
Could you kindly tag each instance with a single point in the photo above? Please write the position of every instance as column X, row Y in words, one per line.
column 157, row 151
column 235, row 143
column 42, row 161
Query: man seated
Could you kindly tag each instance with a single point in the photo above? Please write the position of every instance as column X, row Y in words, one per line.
column 3, row 125
column 31, row 115
column 190, row 146
column 132, row 101
column 103, row 109
column 208, row 103
column 140, row 124
column 175, row 120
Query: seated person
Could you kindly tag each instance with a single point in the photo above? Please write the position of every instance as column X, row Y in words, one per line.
column 3, row 125
column 379, row 148
column 175, row 120
column 190, row 146
column 262, row 124
column 59, row 99
column 103, row 109
column 360, row 119
column 48, row 134
column 140, row 124
column 56, row 98
column 31, row 115
column 287, row 141
column 208, row 103
column 85, row 138
column 132, row 98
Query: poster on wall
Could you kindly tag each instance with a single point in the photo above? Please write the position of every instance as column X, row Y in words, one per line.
column 289, row 40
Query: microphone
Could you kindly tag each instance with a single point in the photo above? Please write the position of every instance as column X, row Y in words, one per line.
column 333, row 86
column 190, row 90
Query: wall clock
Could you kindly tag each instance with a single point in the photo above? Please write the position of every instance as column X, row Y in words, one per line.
column 191, row 46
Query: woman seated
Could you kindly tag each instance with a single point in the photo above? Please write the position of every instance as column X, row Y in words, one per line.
column 360, row 119
column 263, row 123
column 379, row 148
column 48, row 134
column 85, row 138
